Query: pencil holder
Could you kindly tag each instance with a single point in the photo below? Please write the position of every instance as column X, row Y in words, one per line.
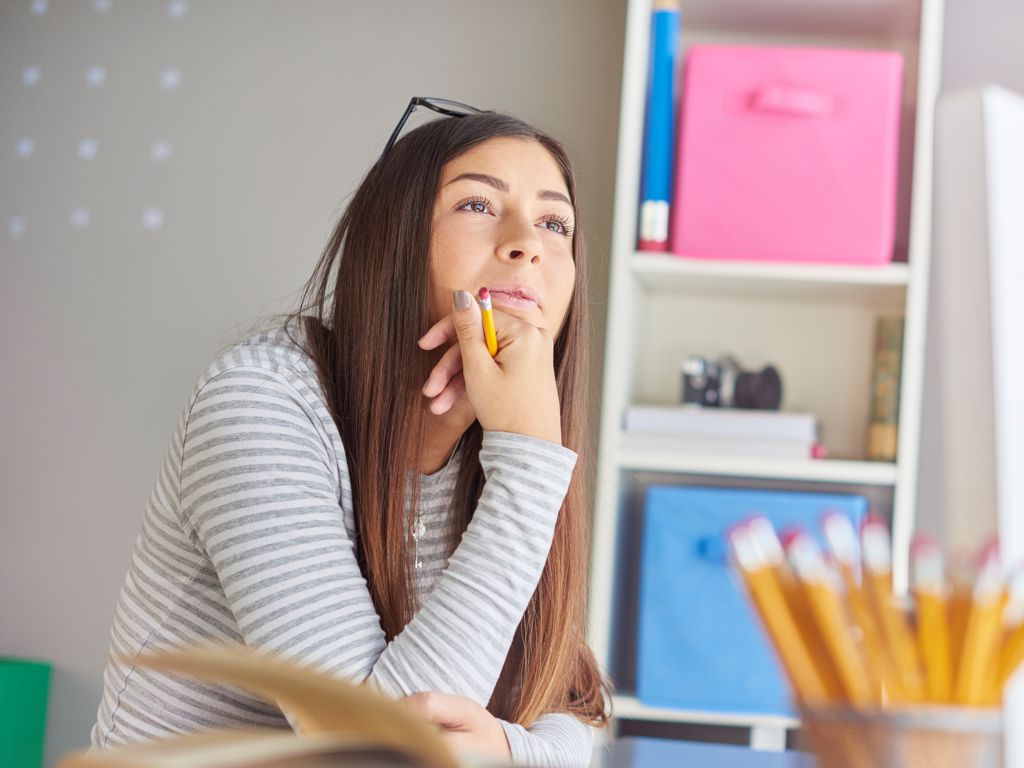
column 932, row 737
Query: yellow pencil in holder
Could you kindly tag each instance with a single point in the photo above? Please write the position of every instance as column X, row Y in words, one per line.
column 843, row 546
column 1011, row 653
column 800, row 608
column 828, row 615
column 959, row 609
column 931, row 595
column 975, row 677
column 490, row 335
column 876, row 548
column 755, row 566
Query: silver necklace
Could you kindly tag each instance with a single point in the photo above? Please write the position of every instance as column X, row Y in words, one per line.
column 419, row 528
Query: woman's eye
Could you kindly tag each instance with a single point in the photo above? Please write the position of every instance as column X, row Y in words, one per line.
column 558, row 226
column 478, row 205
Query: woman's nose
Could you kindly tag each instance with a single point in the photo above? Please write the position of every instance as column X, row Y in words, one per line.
column 522, row 242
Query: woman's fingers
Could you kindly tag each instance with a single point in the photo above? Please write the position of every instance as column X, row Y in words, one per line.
column 440, row 332
column 446, row 709
column 444, row 330
column 447, row 367
column 449, row 395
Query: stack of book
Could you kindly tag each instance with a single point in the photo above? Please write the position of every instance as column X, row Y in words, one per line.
column 721, row 431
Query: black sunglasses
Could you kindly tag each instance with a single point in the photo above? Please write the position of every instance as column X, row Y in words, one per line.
column 444, row 106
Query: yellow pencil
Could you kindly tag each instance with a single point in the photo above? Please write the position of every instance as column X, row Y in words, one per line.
column 841, row 538
column 877, row 555
column 766, row 595
column 933, row 638
column 981, row 635
column 1012, row 651
column 1012, row 657
column 490, row 335
column 959, row 608
column 828, row 614
column 800, row 607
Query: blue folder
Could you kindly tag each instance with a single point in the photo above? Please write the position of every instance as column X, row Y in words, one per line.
column 659, row 129
column 700, row 645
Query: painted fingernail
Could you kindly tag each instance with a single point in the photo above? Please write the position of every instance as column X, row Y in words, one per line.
column 463, row 299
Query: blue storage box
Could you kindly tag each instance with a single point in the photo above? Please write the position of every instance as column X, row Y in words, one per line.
column 700, row 644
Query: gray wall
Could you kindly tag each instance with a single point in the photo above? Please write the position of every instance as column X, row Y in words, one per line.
column 279, row 112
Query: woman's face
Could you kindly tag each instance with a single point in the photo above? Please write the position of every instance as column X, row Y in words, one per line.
column 503, row 220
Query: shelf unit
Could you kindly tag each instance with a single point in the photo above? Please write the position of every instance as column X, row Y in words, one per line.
column 814, row 321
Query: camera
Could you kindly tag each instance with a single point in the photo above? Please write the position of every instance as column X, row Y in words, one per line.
column 720, row 382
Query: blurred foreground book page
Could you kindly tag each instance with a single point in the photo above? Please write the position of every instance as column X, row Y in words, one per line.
column 337, row 723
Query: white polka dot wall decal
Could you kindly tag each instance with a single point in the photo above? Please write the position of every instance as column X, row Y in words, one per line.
column 30, row 76
column 160, row 151
column 170, row 78
column 81, row 218
column 39, row 7
column 177, row 9
column 17, row 226
column 87, row 149
column 152, row 219
column 24, row 147
column 95, row 77
column 101, row 6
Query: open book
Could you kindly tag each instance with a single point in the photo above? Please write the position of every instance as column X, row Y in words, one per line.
column 337, row 723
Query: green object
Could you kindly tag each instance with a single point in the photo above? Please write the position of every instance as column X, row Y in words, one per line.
column 24, row 691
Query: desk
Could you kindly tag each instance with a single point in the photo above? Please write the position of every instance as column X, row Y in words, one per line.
column 642, row 752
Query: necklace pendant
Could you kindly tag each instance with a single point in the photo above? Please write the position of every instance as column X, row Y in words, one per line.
column 419, row 530
column 419, row 564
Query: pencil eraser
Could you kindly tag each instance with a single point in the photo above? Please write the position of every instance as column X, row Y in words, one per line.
column 922, row 543
column 790, row 535
column 989, row 552
column 873, row 519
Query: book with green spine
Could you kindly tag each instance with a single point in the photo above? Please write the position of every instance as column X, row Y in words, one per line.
column 883, row 431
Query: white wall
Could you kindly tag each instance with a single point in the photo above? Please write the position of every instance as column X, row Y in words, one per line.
column 279, row 111
column 982, row 45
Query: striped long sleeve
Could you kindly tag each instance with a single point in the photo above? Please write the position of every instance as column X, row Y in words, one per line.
column 250, row 536
column 268, row 519
column 555, row 739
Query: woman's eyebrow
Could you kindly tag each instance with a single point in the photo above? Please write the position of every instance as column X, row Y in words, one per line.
column 499, row 184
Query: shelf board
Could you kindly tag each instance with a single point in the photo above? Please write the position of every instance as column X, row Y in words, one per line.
column 749, row 279
column 857, row 18
column 838, row 471
column 630, row 708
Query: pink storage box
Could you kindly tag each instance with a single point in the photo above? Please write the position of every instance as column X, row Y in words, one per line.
column 788, row 154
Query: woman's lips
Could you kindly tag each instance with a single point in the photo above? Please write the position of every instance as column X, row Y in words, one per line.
column 512, row 300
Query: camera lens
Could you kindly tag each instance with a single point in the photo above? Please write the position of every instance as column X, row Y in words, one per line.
column 761, row 390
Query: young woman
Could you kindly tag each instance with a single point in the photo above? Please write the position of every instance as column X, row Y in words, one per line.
column 364, row 488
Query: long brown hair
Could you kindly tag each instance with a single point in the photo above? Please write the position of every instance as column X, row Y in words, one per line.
column 362, row 335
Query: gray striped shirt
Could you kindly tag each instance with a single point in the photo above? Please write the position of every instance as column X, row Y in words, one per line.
column 249, row 536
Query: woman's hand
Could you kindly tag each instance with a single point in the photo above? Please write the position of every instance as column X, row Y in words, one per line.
column 468, row 727
column 515, row 391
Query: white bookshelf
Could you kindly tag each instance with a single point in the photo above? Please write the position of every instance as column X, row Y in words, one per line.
column 884, row 286
column 813, row 471
column 815, row 322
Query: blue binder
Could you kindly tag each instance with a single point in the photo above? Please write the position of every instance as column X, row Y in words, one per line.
column 700, row 645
